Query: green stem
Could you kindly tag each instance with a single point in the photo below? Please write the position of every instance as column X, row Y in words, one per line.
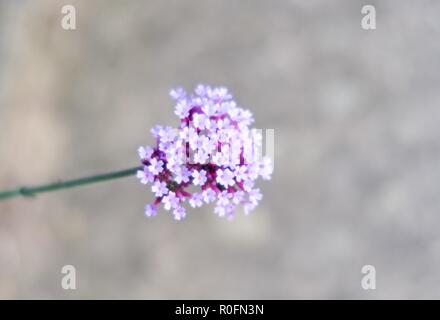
column 27, row 191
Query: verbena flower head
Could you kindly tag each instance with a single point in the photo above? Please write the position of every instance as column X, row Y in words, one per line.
column 213, row 156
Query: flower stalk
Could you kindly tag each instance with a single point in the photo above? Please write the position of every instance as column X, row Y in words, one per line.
column 29, row 191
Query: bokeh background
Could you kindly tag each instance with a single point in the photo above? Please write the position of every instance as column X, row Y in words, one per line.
column 357, row 151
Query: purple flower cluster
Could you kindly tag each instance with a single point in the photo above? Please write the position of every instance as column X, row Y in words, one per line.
column 212, row 157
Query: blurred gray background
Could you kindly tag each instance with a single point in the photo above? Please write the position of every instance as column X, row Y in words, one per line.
column 356, row 116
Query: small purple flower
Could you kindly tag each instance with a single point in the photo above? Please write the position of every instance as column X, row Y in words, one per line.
column 199, row 177
column 196, row 200
column 210, row 109
column 178, row 93
column 200, row 90
column 196, row 143
column 220, row 210
column 209, row 195
column 219, row 94
column 188, row 133
column 182, row 109
column 253, row 170
column 145, row 153
column 240, row 173
column 200, row 121
column 208, row 145
column 179, row 213
column 156, row 131
column 248, row 207
column 238, row 197
column 220, row 159
column 159, row 188
column 225, row 177
column 182, row 175
column 155, row 166
column 255, row 196
column 201, row 157
column 248, row 185
column 145, row 176
column 150, row 210
column 224, row 198
column 266, row 168
column 246, row 118
column 170, row 201
column 168, row 135
column 223, row 124
column 225, row 210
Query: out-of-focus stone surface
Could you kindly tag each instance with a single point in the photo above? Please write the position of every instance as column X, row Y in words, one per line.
column 357, row 148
